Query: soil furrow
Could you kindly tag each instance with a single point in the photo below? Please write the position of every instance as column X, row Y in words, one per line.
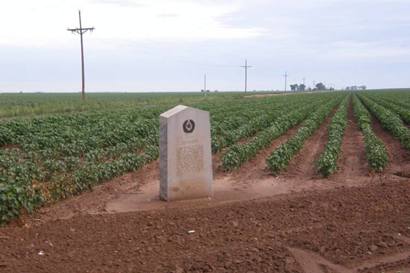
column 352, row 162
column 256, row 168
column 304, row 163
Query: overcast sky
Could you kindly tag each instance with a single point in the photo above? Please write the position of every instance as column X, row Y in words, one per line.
column 164, row 45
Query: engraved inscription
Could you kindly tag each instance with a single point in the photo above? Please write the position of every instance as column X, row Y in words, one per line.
column 189, row 160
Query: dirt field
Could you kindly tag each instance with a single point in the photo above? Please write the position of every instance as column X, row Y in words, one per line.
column 295, row 222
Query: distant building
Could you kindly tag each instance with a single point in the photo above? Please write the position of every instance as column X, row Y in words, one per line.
column 355, row 87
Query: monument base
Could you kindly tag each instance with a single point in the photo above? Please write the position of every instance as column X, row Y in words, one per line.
column 186, row 190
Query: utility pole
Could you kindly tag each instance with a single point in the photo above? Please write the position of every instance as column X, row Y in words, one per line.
column 81, row 31
column 204, row 82
column 246, row 66
column 286, row 80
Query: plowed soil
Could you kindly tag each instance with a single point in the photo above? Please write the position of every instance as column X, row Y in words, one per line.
column 296, row 222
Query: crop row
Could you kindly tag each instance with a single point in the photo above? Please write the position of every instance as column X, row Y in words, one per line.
column 280, row 157
column 375, row 150
column 224, row 134
column 44, row 159
column 403, row 112
column 242, row 152
column 327, row 163
column 397, row 97
column 389, row 120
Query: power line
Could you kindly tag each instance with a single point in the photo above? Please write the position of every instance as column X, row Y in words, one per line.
column 81, row 31
column 246, row 66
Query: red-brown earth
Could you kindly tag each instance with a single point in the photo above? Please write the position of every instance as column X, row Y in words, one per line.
column 353, row 221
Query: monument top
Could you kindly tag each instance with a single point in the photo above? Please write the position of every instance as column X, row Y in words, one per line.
column 173, row 111
column 179, row 108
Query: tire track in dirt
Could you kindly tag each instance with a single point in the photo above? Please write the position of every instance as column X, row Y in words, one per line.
column 304, row 163
column 352, row 162
column 399, row 157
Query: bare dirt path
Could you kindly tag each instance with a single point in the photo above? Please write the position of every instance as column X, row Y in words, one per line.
column 341, row 230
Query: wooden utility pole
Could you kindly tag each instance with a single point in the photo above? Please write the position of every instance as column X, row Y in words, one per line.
column 81, row 31
column 246, row 66
column 204, row 82
column 286, row 80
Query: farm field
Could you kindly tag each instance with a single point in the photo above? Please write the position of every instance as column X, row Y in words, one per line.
column 307, row 182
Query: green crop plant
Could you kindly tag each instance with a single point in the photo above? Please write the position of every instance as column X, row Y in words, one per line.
column 376, row 153
column 327, row 163
column 403, row 112
column 55, row 146
column 280, row 157
column 240, row 153
column 389, row 120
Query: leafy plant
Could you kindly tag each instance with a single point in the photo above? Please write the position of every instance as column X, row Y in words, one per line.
column 54, row 147
column 389, row 120
column 280, row 157
column 327, row 163
column 375, row 150
column 240, row 153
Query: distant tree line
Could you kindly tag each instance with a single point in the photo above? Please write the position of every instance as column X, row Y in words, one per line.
column 302, row 87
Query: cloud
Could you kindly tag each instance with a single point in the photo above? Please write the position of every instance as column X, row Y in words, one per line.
column 122, row 3
column 123, row 20
column 169, row 44
column 168, row 15
column 350, row 50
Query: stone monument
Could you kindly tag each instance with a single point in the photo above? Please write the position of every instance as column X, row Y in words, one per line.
column 185, row 154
